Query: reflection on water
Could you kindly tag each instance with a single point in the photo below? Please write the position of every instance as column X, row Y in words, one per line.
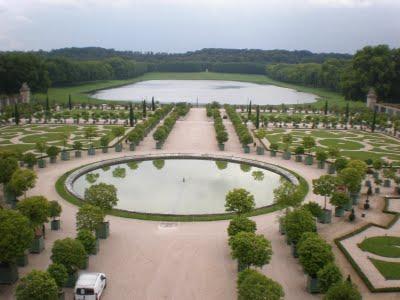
column 206, row 91
column 245, row 168
column 182, row 186
column 92, row 177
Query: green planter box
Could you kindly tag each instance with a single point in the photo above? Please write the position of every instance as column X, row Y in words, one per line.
column 41, row 163
column 96, row 248
column 377, row 190
column 299, row 158
column 286, row 155
column 339, row 211
column 132, row 146
column 273, row 153
column 312, row 285
column 387, row 183
column 55, row 224
column 103, row 231
column 282, row 228
column 8, row 273
column 309, row 160
column 321, row 165
column 118, row 147
column 9, row 196
column 260, row 150
column 294, row 250
column 37, row 245
column 91, row 151
column 22, row 261
column 326, row 216
column 104, row 150
column 53, row 159
column 159, row 145
column 355, row 198
column 64, row 155
column 331, row 169
column 348, row 206
column 78, row 154
column 221, row 147
column 246, row 149
column 71, row 280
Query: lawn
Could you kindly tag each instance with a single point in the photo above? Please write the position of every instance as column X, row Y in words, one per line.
column 387, row 246
column 81, row 93
column 389, row 270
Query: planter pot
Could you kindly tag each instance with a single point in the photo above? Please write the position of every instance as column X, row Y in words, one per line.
column 78, row 154
column 71, row 280
column 282, row 229
column 348, row 206
column 37, row 245
column 273, row 153
column 246, row 149
column 294, row 250
column 103, row 231
column 260, row 150
column 286, row 155
column 159, row 145
column 221, row 147
column 339, row 211
column 104, row 150
column 41, row 163
column 312, row 285
column 321, row 165
column 53, row 159
column 118, row 147
column 22, row 261
column 326, row 216
column 91, row 151
column 55, row 224
column 368, row 183
column 8, row 273
column 331, row 169
column 64, row 155
column 132, row 146
column 9, row 196
column 355, row 198
column 377, row 190
column 96, row 248
column 299, row 158
column 386, row 183
column 309, row 160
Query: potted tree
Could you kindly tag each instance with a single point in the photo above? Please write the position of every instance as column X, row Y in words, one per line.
column 333, row 154
column 21, row 181
column 377, row 165
column 105, row 197
column 241, row 223
column 90, row 132
column 72, row 255
column 343, row 290
column 15, row 237
column 378, row 183
column 222, row 138
column 8, row 165
column 298, row 222
column 88, row 240
column 55, row 210
column 341, row 202
column 159, row 136
column 308, row 144
column 60, row 276
column 41, row 147
column 299, row 151
column 388, row 173
column 325, row 186
column 29, row 159
column 77, row 146
column 254, row 285
column 37, row 285
column 260, row 134
column 134, row 139
column 321, row 157
column 118, row 132
column 273, row 149
column 64, row 152
column 239, row 201
column 328, row 276
column 287, row 141
column 52, row 152
column 104, row 140
column 36, row 209
column 351, row 178
column 246, row 139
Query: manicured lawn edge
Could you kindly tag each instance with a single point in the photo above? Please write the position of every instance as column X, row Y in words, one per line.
column 351, row 260
column 61, row 190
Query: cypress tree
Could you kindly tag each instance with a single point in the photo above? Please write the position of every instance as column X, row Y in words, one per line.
column 16, row 114
column 69, row 102
column 347, row 114
column 131, row 115
column 153, row 105
column 373, row 121
column 258, row 116
column 326, row 107
column 249, row 114
column 144, row 109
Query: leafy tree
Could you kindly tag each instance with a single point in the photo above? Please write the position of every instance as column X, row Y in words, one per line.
column 339, row 199
column 55, row 209
column 8, row 165
column 324, row 186
column 16, row 235
column 321, row 155
column 239, row 201
column 351, row 178
column 52, row 151
column 239, row 224
column 59, row 274
column 104, row 140
column 36, row 209
column 340, row 163
column 89, row 217
column 70, row 253
column 102, row 195
column 359, row 165
column 308, row 143
column 287, row 140
column 287, row 194
column 21, row 181
column 87, row 239
column 314, row 208
column 343, row 291
column 30, row 159
column 250, row 249
column 253, row 285
column 118, row 131
column 327, row 276
column 77, row 146
column 37, row 285
column 298, row 222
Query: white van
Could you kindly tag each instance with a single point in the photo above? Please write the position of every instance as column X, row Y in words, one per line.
column 90, row 286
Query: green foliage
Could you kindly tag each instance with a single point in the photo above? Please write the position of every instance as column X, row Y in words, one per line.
column 102, row 195
column 119, row 172
column 52, row 151
column 389, row 269
column 8, row 165
column 341, row 163
column 343, row 291
column 92, row 177
column 324, row 185
column 16, row 235
column 287, row 194
column 104, row 140
column 298, row 222
column 239, row 201
column 59, row 274
column 221, row 165
column 37, row 285
column 250, row 249
column 70, row 253
column 21, row 181
column 314, row 254
column 387, row 246
column 299, row 150
column 308, row 143
column 328, row 276
column 358, row 165
column 321, row 155
column 314, row 208
column 274, row 146
column 55, row 209
column 118, row 131
column 36, row 209
column 351, row 178
column 30, row 159
column 245, row 167
column 88, row 240
column 239, row 224
column 253, row 285
column 77, row 145
column 89, row 217
column 339, row 199
column 241, row 129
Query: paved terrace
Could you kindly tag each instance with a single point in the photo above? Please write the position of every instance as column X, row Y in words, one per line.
column 146, row 260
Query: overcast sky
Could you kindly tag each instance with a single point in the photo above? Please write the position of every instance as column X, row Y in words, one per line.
column 182, row 25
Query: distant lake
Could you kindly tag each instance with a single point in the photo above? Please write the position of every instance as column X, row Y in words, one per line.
column 232, row 92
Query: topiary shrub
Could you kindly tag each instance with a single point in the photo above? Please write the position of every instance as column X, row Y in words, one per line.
column 70, row 253
column 59, row 274
column 328, row 276
column 298, row 222
column 37, row 285
column 87, row 239
column 252, row 285
column 239, row 201
column 241, row 223
column 343, row 291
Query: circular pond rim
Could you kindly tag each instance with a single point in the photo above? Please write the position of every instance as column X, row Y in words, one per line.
column 64, row 185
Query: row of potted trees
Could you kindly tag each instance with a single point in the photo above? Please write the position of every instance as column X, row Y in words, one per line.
column 241, row 129
column 220, row 130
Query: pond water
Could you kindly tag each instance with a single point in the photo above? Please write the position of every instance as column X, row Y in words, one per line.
column 205, row 91
column 180, row 186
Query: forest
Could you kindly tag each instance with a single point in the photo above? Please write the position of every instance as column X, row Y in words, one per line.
column 353, row 76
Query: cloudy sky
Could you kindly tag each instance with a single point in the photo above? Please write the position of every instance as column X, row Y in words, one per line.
column 182, row 25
